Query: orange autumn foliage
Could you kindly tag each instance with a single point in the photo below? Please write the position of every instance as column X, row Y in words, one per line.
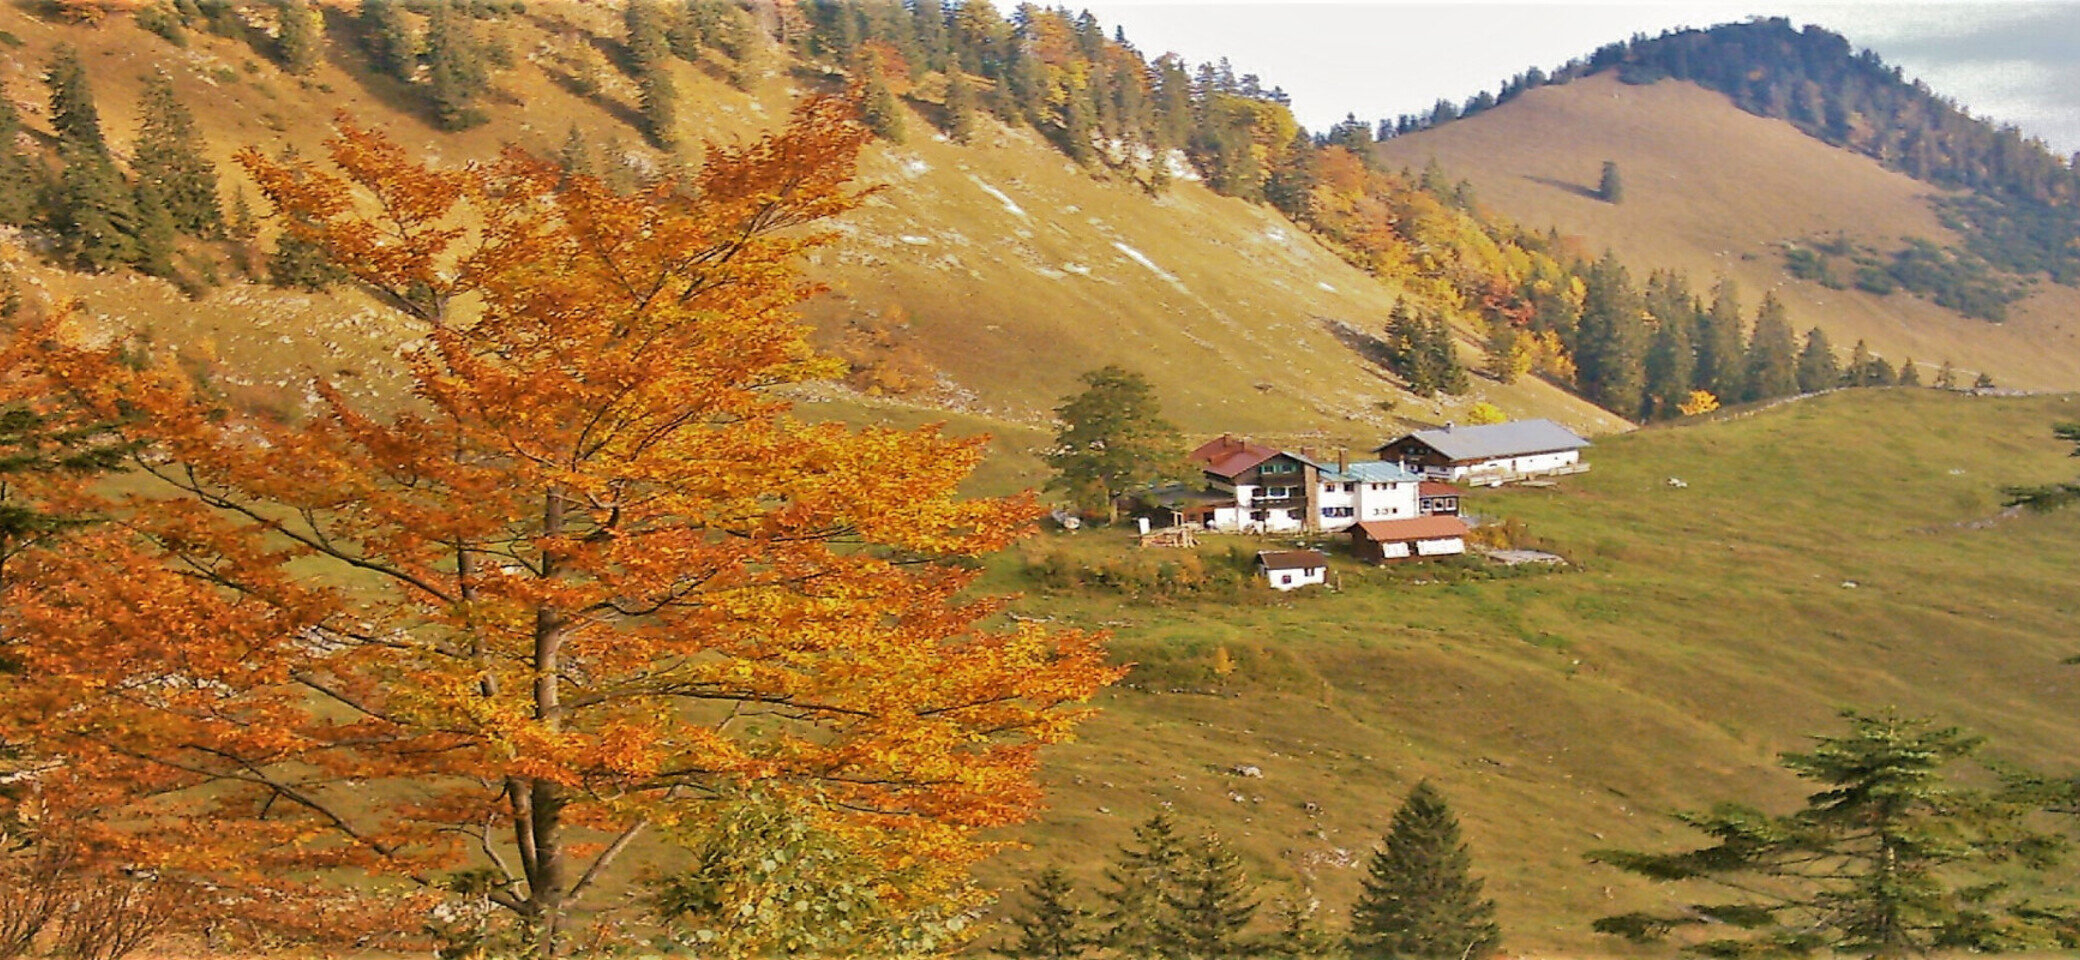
column 593, row 577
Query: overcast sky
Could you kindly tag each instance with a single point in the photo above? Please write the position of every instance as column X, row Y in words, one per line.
column 2015, row 62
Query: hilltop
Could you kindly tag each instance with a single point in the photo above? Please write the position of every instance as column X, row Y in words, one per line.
column 1716, row 190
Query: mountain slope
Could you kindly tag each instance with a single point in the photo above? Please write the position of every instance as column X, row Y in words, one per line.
column 1017, row 270
column 1716, row 191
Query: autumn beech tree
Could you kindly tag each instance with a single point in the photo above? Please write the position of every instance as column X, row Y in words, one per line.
column 591, row 581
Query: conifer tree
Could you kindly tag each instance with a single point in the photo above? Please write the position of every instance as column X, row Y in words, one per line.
column 1772, row 368
column 1420, row 899
column 1611, row 340
column 880, row 110
column 1887, row 859
column 94, row 212
column 1817, row 369
column 1211, row 903
column 1858, row 373
column 1053, row 926
column 1142, row 882
column 1946, row 377
column 299, row 35
column 649, row 52
column 169, row 155
column 1670, row 362
column 960, row 106
column 575, row 156
column 387, row 34
column 1444, row 357
column 456, row 72
column 1909, row 373
column 21, row 181
column 242, row 231
column 1609, row 188
column 1721, row 351
column 156, row 233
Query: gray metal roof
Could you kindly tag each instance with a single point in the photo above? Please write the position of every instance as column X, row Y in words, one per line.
column 1369, row 471
column 1513, row 439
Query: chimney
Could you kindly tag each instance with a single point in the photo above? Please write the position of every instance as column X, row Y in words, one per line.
column 1448, row 426
column 1343, row 459
column 1307, row 453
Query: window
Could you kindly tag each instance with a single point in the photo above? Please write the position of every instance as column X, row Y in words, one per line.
column 1277, row 493
column 1337, row 512
column 1285, row 579
column 1260, row 515
column 1277, row 466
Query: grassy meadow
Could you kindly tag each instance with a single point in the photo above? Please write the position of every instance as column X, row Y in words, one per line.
column 1839, row 551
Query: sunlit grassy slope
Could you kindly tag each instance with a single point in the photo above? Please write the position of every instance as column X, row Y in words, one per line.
column 1715, row 191
column 1017, row 269
column 1825, row 554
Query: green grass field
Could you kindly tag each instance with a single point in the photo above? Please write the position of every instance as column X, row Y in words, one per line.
column 1701, row 631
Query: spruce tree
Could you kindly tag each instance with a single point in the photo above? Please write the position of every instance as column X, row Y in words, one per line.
column 94, row 212
column 1909, row 373
column 1053, row 927
column 1444, row 357
column 1946, row 377
column 1887, row 859
column 1611, row 340
column 242, row 230
column 1858, row 373
column 575, row 156
column 1420, row 899
column 1772, row 368
column 960, row 106
column 1721, row 350
column 649, row 53
column 1609, row 188
column 1142, row 882
column 1211, row 903
column 21, row 180
column 456, row 72
column 387, row 35
column 880, row 110
column 156, row 233
column 169, row 155
column 299, row 35
column 1670, row 362
column 1817, row 369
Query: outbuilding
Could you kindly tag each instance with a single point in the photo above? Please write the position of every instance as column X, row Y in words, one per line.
column 1379, row 541
column 1494, row 453
column 1292, row 569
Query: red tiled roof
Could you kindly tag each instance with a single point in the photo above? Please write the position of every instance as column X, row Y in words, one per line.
column 1421, row 528
column 1435, row 488
column 1227, row 456
column 1292, row 559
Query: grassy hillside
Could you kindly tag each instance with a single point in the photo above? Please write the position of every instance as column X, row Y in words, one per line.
column 1715, row 191
column 1835, row 552
column 1017, row 270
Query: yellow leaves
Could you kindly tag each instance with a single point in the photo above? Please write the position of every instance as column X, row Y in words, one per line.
column 1699, row 402
column 596, row 562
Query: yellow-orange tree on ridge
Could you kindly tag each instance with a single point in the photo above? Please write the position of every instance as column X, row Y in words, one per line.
column 593, row 579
